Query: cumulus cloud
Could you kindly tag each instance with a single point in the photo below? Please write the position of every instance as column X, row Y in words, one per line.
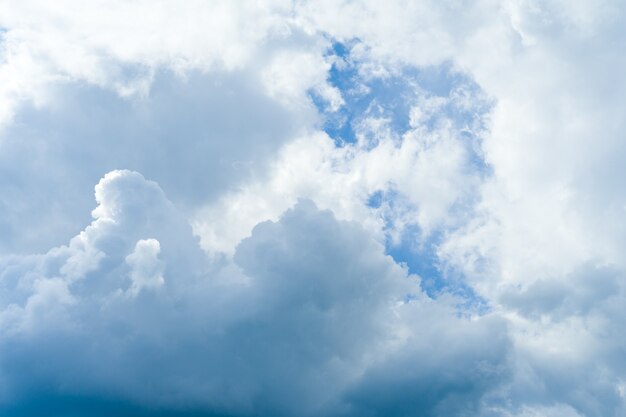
column 51, row 158
column 312, row 316
column 100, row 88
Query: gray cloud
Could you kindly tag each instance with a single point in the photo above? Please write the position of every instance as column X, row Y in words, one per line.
column 196, row 135
column 445, row 369
column 313, row 319
column 577, row 294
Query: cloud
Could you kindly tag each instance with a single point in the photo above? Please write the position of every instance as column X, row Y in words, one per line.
column 311, row 317
column 484, row 139
column 424, row 166
column 146, row 268
column 51, row 157
column 445, row 367
column 94, row 43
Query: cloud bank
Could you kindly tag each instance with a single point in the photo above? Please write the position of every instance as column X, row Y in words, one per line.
column 312, row 208
column 311, row 319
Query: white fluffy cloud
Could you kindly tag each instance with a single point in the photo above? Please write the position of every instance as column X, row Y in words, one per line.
column 146, row 268
column 98, row 42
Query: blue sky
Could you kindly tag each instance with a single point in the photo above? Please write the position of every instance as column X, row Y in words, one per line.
column 392, row 97
column 298, row 208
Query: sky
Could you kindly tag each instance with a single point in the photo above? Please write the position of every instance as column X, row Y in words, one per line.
column 327, row 208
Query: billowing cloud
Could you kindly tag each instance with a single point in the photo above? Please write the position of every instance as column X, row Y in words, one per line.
column 372, row 209
column 310, row 318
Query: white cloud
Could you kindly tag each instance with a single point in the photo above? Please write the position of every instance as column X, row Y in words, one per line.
column 146, row 268
column 291, row 75
column 72, row 40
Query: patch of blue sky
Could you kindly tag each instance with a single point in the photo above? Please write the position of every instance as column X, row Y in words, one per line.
column 392, row 95
column 419, row 254
column 389, row 97
column 421, row 259
column 375, row 200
